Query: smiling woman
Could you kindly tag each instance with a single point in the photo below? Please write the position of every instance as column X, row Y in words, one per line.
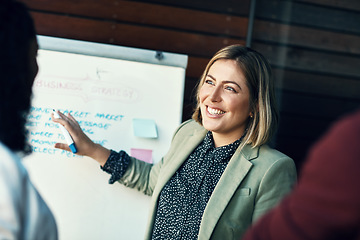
column 250, row 72
column 219, row 175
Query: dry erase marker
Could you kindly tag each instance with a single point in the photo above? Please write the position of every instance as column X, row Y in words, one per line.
column 66, row 134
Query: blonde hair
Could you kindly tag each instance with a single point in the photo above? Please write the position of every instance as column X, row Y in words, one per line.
column 258, row 74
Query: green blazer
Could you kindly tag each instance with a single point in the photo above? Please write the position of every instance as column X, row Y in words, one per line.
column 254, row 181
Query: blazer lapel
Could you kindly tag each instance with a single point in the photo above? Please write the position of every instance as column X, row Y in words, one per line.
column 238, row 167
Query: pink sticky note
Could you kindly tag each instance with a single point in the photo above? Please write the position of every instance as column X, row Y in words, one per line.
column 142, row 154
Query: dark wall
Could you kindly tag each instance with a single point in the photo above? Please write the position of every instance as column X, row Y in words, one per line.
column 313, row 46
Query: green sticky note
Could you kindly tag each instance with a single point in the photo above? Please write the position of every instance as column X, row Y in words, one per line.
column 145, row 128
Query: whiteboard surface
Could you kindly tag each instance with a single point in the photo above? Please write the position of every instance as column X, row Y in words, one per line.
column 105, row 94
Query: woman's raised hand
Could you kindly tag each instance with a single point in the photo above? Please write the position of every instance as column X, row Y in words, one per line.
column 84, row 145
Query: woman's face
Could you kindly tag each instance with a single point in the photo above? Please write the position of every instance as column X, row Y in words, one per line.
column 225, row 100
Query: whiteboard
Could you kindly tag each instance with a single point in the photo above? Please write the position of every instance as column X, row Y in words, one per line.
column 106, row 88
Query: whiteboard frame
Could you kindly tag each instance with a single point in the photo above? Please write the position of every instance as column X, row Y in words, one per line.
column 112, row 51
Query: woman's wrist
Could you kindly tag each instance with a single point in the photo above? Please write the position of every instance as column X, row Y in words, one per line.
column 99, row 154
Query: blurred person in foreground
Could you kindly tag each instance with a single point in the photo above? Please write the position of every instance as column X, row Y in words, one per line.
column 23, row 213
column 326, row 202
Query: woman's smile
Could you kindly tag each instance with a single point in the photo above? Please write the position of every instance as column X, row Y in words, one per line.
column 215, row 111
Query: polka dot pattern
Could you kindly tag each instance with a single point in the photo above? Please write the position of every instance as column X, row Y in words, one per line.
column 183, row 199
column 116, row 165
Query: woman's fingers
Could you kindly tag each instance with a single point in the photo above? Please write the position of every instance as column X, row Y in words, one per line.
column 62, row 146
column 85, row 146
column 82, row 142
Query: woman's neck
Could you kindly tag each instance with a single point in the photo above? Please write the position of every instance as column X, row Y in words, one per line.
column 225, row 139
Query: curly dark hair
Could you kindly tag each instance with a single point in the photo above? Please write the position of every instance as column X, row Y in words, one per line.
column 17, row 31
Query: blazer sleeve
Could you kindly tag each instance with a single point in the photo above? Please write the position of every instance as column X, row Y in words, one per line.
column 143, row 176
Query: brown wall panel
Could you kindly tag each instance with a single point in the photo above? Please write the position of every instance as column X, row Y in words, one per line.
column 310, row 15
column 306, row 37
column 151, row 15
column 317, row 84
column 310, row 60
column 196, row 66
column 129, row 35
column 346, row 4
column 234, row 7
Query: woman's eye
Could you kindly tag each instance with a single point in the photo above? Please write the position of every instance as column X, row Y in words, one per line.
column 230, row 89
column 209, row 82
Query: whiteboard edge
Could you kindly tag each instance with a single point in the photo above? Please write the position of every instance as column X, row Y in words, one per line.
column 112, row 51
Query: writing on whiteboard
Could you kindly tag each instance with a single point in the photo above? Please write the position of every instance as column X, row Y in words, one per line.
column 87, row 88
column 44, row 133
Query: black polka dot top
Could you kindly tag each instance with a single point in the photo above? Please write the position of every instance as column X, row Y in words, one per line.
column 183, row 199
